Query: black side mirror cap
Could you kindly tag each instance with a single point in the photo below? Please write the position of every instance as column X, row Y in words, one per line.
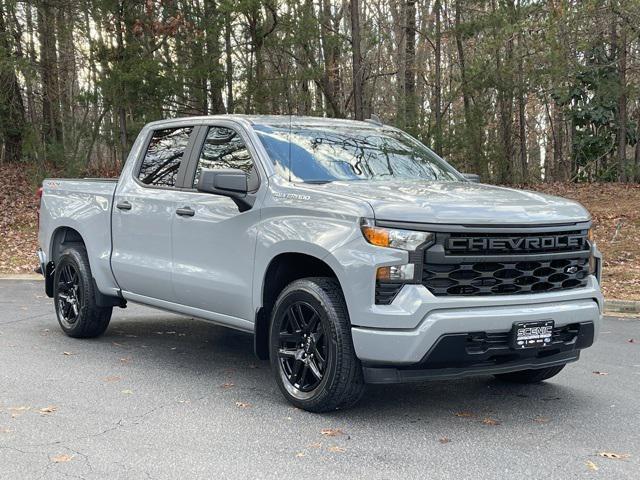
column 472, row 177
column 228, row 182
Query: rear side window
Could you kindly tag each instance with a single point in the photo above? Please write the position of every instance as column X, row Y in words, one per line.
column 224, row 148
column 163, row 157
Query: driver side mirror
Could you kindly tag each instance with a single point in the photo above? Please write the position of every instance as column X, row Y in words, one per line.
column 472, row 177
column 228, row 182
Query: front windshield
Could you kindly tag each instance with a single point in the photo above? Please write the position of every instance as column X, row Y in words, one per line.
column 320, row 154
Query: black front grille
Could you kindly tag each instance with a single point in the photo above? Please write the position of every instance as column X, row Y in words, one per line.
column 505, row 278
column 460, row 243
column 506, row 262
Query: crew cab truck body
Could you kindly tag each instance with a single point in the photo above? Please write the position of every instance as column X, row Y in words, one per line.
column 349, row 250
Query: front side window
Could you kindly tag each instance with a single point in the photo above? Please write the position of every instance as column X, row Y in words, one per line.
column 224, row 148
column 163, row 157
column 318, row 154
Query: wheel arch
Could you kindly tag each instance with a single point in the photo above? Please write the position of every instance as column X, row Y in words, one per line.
column 283, row 269
column 60, row 238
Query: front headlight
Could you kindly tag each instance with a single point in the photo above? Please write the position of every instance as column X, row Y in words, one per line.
column 394, row 238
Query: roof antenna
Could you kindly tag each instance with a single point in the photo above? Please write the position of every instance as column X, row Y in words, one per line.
column 375, row 119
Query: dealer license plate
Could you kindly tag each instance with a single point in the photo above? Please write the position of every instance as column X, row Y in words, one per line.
column 531, row 334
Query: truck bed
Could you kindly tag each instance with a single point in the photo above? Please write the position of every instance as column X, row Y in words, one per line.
column 83, row 205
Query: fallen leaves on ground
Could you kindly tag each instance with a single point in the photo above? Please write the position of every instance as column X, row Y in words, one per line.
column 228, row 385
column 61, row 458
column 5, row 430
column 337, row 449
column 331, row 432
column 491, row 421
column 242, row 405
column 632, row 340
column 48, row 410
column 444, row 440
column 125, row 360
column 315, row 445
column 127, row 392
column 112, row 378
column 540, row 419
column 68, row 353
column 597, row 372
column 614, row 456
column 592, row 466
column 464, row 414
column 17, row 411
column 301, row 454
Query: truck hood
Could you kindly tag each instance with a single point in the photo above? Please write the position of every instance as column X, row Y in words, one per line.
column 458, row 203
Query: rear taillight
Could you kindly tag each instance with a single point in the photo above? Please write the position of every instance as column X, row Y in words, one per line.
column 39, row 199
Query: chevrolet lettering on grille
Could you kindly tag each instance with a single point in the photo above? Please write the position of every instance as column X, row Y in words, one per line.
column 515, row 244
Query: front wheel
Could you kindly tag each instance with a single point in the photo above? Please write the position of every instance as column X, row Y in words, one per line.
column 530, row 376
column 311, row 350
column 78, row 314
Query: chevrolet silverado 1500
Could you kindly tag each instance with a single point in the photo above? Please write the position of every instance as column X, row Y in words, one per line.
column 351, row 252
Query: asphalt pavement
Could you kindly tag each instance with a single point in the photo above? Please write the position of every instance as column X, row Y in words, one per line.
column 167, row 396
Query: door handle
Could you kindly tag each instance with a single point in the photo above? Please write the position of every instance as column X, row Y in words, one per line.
column 123, row 205
column 185, row 212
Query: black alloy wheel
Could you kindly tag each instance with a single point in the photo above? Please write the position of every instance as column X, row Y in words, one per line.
column 303, row 348
column 74, row 296
column 311, row 349
column 69, row 295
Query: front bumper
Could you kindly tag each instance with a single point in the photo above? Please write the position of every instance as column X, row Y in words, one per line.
column 480, row 353
column 406, row 347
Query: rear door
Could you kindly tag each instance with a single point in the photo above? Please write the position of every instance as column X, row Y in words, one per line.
column 214, row 246
column 144, row 208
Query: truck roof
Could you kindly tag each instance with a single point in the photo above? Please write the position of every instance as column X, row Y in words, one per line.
column 273, row 120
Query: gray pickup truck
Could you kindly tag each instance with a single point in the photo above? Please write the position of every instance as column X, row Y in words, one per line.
column 350, row 251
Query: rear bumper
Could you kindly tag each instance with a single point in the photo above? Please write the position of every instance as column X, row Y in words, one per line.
column 406, row 347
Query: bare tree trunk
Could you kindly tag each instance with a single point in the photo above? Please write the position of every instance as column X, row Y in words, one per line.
column 410, row 100
column 473, row 131
column 228, row 62
column 437, row 96
column 31, row 55
column 622, row 106
column 12, row 115
column 65, row 16
column 51, row 125
column 522, row 123
column 216, row 75
column 357, row 61
column 122, row 113
column 330, row 82
column 636, row 168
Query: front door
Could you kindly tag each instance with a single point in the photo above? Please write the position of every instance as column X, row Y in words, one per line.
column 144, row 208
column 214, row 245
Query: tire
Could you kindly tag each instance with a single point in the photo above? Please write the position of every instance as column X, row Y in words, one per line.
column 316, row 306
column 74, row 296
column 530, row 376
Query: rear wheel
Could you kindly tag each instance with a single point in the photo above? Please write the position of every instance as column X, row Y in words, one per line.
column 74, row 295
column 530, row 376
column 311, row 350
